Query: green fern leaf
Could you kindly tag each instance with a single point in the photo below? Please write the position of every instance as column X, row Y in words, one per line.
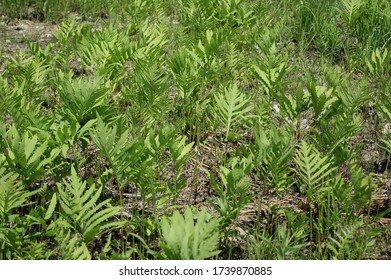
column 312, row 168
column 185, row 240
column 351, row 11
column 81, row 211
column 52, row 207
column 232, row 106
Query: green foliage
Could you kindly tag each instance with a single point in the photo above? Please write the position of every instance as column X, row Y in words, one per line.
column 314, row 170
column 316, row 25
column 288, row 242
column 128, row 160
column 26, row 156
column 81, row 98
column 69, row 245
column 16, row 242
column 275, row 114
column 321, row 100
column 81, row 210
column 185, row 240
column 282, row 241
column 25, row 111
column 352, row 10
column 272, row 151
column 231, row 107
column 271, row 67
column 378, row 62
column 12, row 195
column 345, row 245
column 104, row 52
column 233, row 193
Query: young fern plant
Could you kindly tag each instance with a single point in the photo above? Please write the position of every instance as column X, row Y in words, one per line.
column 151, row 87
column 351, row 11
column 129, row 160
column 26, row 155
column 233, row 192
column 348, row 242
column 180, row 152
column 105, row 52
column 272, row 150
column 377, row 63
column 82, row 98
column 69, row 245
column 182, row 239
column 231, row 107
column 271, row 68
column 25, row 112
column 113, row 147
column 337, row 120
column 12, row 195
column 16, row 242
column 313, row 169
column 80, row 209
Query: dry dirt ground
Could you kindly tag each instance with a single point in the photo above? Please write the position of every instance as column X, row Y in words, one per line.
column 15, row 34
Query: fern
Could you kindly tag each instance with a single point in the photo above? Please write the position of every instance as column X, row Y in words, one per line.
column 271, row 67
column 70, row 247
column 12, row 195
column 232, row 13
column 233, row 193
column 180, row 154
column 313, row 169
column 25, row 112
column 70, row 32
column 184, row 240
column 351, row 11
column 349, row 243
column 105, row 137
column 32, row 72
column 362, row 186
column 321, row 100
column 377, row 64
column 129, row 160
column 26, row 155
column 340, row 121
column 106, row 52
column 81, row 210
column 185, row 73
column 273, row 150
column 151, row 85
column 16, row 242
column 82, row 98
column 292, row 106
column 231, row 107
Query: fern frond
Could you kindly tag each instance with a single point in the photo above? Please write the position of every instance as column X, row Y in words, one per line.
column 25, row 112
column 362, row 186
column 312, row 168
column 69, row 246
column 80, row 208
column 184, row 240
column 26, row 155
column 234, row 190
column 82, row 98
column 273, row 150
column 321, row 99
column 351, row 11
column 12, row 194
column 343, row 245
column 232, row 106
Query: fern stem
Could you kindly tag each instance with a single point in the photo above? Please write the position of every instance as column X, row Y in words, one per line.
column 260, row 199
